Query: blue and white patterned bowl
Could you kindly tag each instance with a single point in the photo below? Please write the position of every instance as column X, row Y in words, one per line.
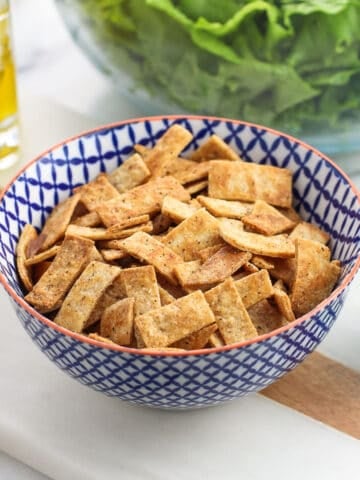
column 323, row 194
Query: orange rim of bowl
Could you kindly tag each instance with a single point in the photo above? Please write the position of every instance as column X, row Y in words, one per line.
column 204, row 351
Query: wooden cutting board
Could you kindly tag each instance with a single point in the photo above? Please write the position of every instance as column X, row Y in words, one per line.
column 323, row 389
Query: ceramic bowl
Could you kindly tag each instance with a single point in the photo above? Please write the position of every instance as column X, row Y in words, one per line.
column 323, row 194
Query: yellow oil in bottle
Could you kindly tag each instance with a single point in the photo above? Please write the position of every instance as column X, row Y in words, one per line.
column 8, row 104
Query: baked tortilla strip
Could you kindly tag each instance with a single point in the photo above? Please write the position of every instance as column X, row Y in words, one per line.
column 225, row 208
column 283, row 304
column 167, row 148
column 171, row 323
column 141, row 285
column 129, row 174
column 141, row 200
column 97, row 192
column 315, row 276
column 57, row 222
column 249, row 182
column 49, row 292
column 90, row 219
column 230, row 313
column 194, row 173
column 266, row 317
column 274, row 246
column 309, row 231
column 99, row 233
column 27, row 235
column 117, row 321
column 199, row 231
column 165, row 296
column 176, row 210
column 254, row 287
column 218, row 267
column 78, row 308
column 214, row 148
column 44, row 255
column 267, row 220
column 146, row 248
column 196, row 340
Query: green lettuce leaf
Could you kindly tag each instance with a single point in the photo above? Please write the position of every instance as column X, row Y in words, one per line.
column 294, row 65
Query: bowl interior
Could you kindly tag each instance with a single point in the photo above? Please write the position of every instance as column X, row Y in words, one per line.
column 322, row 192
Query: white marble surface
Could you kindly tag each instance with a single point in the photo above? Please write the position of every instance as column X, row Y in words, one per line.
column 55, row 78
column 51, row 65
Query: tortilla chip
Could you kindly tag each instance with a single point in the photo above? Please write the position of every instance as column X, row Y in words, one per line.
column 283, row 303
column 280, row 285
column 175, row 290
column 290, row 213
column 165, row 296
column 117, row 322
column 196, row 232
column 112, row 254
column 79, row 308
column 266, row 317
column 230, row 313
column 28, row 234
column 178, row 166
column 57, row 222
column 196, row 340
column 248, row 268
column 168, row 147
column 266, row 219
column 186, row 270
column 114, row 292
column 284, row 269
column 34, row 245
column 39, row 269
column 215, row 340
column 129, row 174
column 208, row 252
column 128, row 222
column 274, row 246
column 176, row 210
column 309, row 231
column 141, row 149
column 315, row 276
column 49, row 292
column 250, row 182
column 141, row 200
column 196, row 187
column 161, row 224
column 225, row 208
column 262, row 262
column 90, row 219
column 171, row 323
column 148, row 249
column 111, row 233
column 44, row 255
column 193, row 173
column 254, row 287
column 96, row 255
column 140, row 283
column 217, row 268
column 97, row 192
column 214, row 148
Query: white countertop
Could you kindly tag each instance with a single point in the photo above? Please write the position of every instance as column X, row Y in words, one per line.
column 62, row 93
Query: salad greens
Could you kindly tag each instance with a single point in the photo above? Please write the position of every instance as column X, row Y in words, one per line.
column 292, row 64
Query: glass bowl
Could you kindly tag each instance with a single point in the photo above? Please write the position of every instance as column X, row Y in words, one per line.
column 294, row 66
